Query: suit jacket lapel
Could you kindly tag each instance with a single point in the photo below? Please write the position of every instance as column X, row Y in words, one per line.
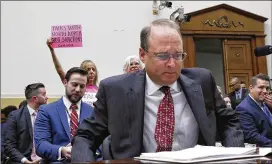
column 259, row 109
column 61, row 109
column 194, row 96
column 136, row 100
column 83, row 112
column 28, row 121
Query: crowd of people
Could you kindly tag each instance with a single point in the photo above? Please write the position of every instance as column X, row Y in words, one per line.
column 157, row 107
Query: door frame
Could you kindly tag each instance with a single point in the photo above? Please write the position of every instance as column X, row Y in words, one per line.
column 224, row 22
column 191, row 60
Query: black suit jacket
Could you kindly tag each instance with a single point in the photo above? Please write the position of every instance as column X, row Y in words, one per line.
column 232, row 96
column 119, row 111
column 18, row 135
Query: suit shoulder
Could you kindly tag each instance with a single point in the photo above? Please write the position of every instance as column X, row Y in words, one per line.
column 243, row 105
column 49, row 106
column 196, row 71
column 15, row 112
column 117, row 79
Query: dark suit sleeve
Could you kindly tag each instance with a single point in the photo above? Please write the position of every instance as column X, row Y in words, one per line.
column 92, row 130
column 227, row 121
column 10, row 139
column 250, row 130
column 43, row 138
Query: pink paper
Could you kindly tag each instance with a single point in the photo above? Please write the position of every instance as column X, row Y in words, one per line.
column 66, row 36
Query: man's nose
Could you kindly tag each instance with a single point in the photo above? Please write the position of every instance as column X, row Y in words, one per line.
column 78, row 88
column 171, row 62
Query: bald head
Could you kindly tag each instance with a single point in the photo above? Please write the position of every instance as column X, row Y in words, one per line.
column 235, row 84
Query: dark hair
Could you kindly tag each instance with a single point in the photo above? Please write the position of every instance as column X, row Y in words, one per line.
column 9, row 109
column 242, row 82
column 33, row 90
column 22, row 104
column 73, row 70
column 145, row 32
column 259, row 76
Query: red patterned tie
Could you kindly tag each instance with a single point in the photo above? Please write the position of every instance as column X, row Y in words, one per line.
column 165, row 125
column 73, row 120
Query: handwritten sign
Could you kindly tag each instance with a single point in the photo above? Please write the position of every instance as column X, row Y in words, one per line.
column 66, row 36
column 89, row 98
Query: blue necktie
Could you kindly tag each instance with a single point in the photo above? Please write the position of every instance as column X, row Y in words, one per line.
column 267, row 113
column 238, row 95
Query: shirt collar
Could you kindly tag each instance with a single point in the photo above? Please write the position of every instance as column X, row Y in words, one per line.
column 31, row 110
column 68, row 103
column 151, row 87
column 258, row 103
column 239, row 91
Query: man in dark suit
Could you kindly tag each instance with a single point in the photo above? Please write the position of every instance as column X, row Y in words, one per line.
column 255, row 112
column 18, row 143
column 6, row 111
column 238, row 92
column 58, row 121
column 160, row 108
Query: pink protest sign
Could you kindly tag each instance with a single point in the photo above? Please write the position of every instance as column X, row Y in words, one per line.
column 66, row 36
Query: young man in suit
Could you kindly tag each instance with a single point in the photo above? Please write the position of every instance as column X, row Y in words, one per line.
column 255, row 112
column 57, row 122
column 18, row 143
column 238, row 92
column 160, row 108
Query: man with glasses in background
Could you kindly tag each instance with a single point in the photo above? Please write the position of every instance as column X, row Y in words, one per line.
column 164, row 107
column 238, row 92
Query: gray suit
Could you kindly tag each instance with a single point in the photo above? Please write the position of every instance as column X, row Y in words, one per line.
column 119, row 111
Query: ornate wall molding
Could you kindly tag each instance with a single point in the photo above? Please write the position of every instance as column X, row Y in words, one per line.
column 223, row 22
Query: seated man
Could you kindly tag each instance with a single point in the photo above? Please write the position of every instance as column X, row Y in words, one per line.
column 162, row 108
column 6, row 112
column 238, row 93
column 57, row 122
column 255, row 113
column 18, row 143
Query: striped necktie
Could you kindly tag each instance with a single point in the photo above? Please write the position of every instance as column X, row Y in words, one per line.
column 73, row 120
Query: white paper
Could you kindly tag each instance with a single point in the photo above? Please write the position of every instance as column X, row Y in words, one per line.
column 204, row 154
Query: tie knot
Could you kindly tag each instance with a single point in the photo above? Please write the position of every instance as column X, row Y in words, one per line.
column 165, row 89
column 34, row 114
column 73, row 107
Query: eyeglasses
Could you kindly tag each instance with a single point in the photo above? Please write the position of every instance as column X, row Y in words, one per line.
column 232, row 85
column 164, row 56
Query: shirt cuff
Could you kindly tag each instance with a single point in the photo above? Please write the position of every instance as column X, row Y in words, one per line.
column 59, row 156
column 23, row 160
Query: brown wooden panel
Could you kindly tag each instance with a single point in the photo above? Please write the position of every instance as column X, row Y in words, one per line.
column 261, row 61
column 189, row 48
column 222, row 19
column 238, row 54
column 243, row 75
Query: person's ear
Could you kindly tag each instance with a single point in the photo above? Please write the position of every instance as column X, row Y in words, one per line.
column 142, row 54
column 65, row 82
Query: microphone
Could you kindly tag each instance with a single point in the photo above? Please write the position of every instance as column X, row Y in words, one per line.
column 263, row 51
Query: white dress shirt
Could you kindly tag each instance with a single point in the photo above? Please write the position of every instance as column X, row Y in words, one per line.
column 68, row 104
column 31, row 111
column 186, row 128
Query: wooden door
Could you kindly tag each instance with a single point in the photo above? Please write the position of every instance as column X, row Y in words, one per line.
column 237, row 60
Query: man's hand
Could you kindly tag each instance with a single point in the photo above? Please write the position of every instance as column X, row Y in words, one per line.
column 268, row 101
column 37, row 161
column 32, row 162
column 49, row 43
column 66, row 151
